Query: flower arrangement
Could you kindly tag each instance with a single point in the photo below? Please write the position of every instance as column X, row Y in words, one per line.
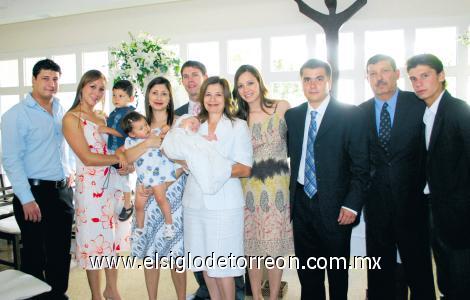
column 141, row 59
column 465, row 38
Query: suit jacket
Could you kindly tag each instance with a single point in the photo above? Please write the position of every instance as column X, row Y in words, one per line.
column 182, row 110
column 448, row 171
column 341, row 157
column 397, row 179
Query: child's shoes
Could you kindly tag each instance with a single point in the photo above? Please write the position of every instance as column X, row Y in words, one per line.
column 126, row 213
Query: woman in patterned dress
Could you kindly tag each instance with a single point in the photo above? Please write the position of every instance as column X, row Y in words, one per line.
column 268, row 230
column 159, row 109
column 97, row 197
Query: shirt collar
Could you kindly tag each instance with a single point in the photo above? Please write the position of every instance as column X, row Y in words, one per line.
column 433, row 108
column 392, row 102
column 31, row 102
column 320, row 109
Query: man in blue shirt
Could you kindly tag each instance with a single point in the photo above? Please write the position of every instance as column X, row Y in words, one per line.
column 395, row 210
column 35, row 160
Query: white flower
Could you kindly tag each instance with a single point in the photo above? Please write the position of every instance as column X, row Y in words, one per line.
column 141, row 59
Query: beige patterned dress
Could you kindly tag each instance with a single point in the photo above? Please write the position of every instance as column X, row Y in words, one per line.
column 268, row 230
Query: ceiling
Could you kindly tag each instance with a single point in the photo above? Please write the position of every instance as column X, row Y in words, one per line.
column 13, row 11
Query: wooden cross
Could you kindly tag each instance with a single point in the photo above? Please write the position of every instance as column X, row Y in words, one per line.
column 331, row 24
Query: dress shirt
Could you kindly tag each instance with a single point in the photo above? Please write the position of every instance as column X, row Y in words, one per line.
column 428, row 119
column 320, row 113
column 192, row 106
column 392, row 104
column 33, row 145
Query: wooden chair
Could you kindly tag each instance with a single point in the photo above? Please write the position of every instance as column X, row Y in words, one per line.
column 9, row 229
column 15, row 284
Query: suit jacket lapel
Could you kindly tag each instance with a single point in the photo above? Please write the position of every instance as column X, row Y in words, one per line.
column 328, row 119
column 399, row 118
column 370, row 111
column 438, row 121
column 299, row 118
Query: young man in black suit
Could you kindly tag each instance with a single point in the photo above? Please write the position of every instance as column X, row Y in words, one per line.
column 327, row 145
column 447, row 140
column 395, row 210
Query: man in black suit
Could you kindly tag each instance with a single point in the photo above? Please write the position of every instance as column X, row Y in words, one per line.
column 327, row 145
column 193, row 74
column 447, row 140
column 395, row 210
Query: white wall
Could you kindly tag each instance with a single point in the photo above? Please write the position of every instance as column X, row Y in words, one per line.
column 206, row 20
column 199, row 18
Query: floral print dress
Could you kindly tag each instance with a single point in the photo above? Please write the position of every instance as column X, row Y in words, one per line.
column 98, row 200
column 268, row 230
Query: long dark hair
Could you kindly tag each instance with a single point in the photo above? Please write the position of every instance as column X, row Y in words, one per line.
column 170, row 109
column 88, row 77
column 228, row 112
column 243, row 107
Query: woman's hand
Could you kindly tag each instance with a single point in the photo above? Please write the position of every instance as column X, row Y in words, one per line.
column 240, row 170
column 122, row 159
column 182, row 163
column 153, row 141
column 124, row 171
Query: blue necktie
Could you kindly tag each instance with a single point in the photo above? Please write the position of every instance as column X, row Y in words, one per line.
column 385, row 128
column 310, row 182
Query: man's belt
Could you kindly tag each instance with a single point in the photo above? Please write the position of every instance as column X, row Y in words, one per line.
column 59, row 184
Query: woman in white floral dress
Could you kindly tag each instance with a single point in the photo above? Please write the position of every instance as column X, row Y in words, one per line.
column 98, row 199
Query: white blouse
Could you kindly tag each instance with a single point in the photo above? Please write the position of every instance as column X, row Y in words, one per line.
column 234, row 143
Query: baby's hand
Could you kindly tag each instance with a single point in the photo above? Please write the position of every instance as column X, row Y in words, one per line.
column 210, row 137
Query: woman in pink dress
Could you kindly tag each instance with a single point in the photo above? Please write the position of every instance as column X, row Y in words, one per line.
column 98, row 198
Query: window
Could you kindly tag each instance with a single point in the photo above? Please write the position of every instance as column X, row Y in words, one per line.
column 28, row 64
column 388, row 42
column 7, row 102
column 66, row 99
column 468, row 90
column 208, row 54
column 345, row 50
column 441, row 41
column 68, row 67
column 241, row 52
column 451, row 85
column 290, row 91
column 96, row 60
column 368, row 91
column 9, row 73
column 346, row 91
column 288, row 53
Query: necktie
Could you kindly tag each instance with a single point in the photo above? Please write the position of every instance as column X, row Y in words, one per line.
column 196, row 109
column 310, row 182
column 385, row 128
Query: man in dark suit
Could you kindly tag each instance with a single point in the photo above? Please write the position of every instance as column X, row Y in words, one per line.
column 447, row 140
column 193, row 74
column 395, row 210
column 327, row 145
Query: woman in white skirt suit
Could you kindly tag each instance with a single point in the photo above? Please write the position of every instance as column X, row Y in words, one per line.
column 213, row 224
